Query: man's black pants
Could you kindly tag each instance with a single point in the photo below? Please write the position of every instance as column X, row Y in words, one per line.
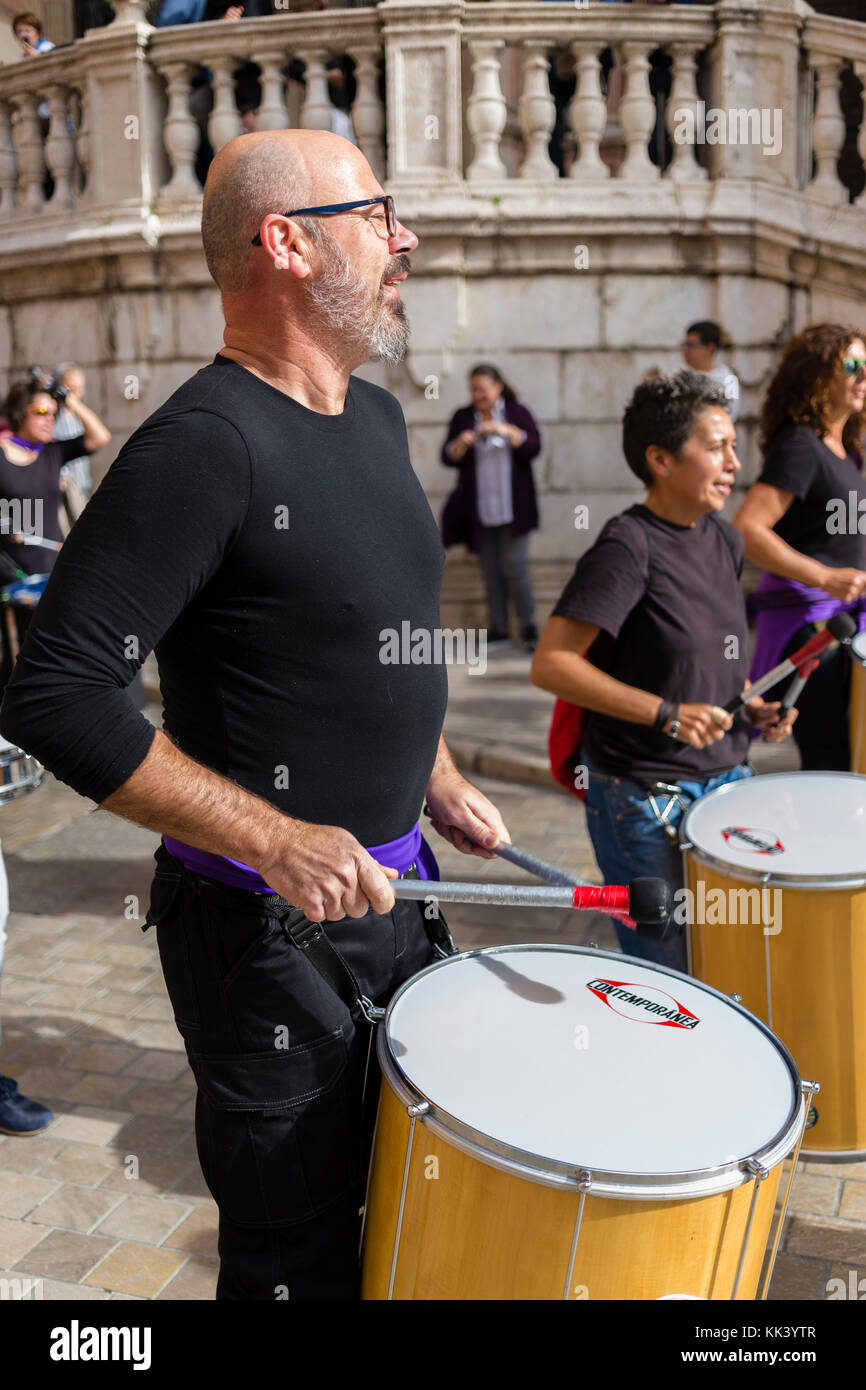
column 283, row 1117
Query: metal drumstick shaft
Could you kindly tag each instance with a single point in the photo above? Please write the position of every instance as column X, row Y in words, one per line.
column 539, row 867
column 502, row 893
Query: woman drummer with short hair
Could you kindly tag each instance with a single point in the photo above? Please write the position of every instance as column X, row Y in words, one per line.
column 656, row 608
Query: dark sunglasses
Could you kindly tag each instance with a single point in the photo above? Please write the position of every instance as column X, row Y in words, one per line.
column 852, row 366
column 42, row 410
column 332, row 210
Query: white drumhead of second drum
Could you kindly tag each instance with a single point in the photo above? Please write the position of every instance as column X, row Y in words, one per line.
column 790, row 825
column 591, row 1059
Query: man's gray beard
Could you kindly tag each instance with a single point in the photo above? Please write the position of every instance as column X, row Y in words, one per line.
column 341, row 300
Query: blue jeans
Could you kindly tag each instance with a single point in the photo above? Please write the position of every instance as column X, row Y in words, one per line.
column 629, row 843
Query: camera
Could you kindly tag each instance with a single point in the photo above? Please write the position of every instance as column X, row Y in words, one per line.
column 52, row 386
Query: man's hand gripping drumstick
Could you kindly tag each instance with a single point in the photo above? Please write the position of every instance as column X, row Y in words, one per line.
column 322, row 869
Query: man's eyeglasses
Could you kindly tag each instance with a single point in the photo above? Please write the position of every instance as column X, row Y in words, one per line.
column 332, row 210
column 852, row 366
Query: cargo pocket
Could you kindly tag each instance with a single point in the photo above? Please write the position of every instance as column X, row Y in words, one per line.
column 279, row 1132
column 167, row 915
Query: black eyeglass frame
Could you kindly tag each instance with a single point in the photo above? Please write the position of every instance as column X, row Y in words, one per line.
column 332, row 209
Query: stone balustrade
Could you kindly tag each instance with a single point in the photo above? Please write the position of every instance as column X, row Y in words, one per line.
column 452, row 106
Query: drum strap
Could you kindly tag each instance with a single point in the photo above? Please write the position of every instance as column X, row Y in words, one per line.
column 312, row 940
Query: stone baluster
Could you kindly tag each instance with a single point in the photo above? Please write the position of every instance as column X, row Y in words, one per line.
column 8, row 164
column 316, row 108
column 828, row 129
column 860, row 71
column 368, row 112
column 82, row 143
column 31, row 159
column 181, row 136
column 224, row 122
column 60, row 148
column 638, row 113
column 272, row 113
column 486, row 111
column 588, row 114
column 537, row 111
column 682, row 111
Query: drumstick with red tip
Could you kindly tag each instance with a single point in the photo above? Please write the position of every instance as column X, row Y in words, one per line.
column 643, row 904
column 795, row 689
column 841, row 628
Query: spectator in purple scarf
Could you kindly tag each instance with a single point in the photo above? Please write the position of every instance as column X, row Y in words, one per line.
column 802, row 522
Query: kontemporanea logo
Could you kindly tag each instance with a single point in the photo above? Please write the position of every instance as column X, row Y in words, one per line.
column 643, row 1003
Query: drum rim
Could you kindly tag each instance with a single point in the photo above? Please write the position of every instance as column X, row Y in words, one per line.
column 740, row 871
column 551, row 1172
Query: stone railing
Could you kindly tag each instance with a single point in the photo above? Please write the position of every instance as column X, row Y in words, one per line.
column 453, row 108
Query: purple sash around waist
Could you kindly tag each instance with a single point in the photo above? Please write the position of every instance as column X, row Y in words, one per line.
column 399, row 854
column 780, row 606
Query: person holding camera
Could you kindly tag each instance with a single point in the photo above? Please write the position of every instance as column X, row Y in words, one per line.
column 31, row 487
column 493, row 508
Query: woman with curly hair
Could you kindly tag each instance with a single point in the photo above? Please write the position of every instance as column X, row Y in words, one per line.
column 796, row 523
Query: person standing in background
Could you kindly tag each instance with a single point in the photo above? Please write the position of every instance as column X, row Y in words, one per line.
column 494, row 507
column 796, row 522
column 68, row 425
column 700, row 348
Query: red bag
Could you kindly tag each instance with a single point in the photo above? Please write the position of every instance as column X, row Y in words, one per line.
column 563, row 744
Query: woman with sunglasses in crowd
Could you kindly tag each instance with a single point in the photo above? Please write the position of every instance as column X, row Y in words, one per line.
column 801, row 524
column 31, row 485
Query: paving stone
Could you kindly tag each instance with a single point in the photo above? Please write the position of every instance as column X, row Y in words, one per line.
column 16, row 1238
column 74, row 1208
column 853, row 1279
column 158, row 1066
column 127, row 978
column 853, row 1204
column 108, row 1028
column 810, row 1193
column 45, row 1081
column 19, row 1195
column 136, row 1269
column 75, row 972
column 149, row 1219
column 66, row 1255
column 83, row 1163
column 155, row 1134
column 152, row 1098
column 150, row 1176
column 195, row 1282
column 91, row 1125
column 198, row 1233
column 161, row 1035
column 96, row 1088
column 55, row 1291
column 826, row 1238
column 104, row 1057
column 128, row 955
column 798, row 1277
column 124, row 1004
column 192, row 1187
column 27, row 1154
column 156, row 1008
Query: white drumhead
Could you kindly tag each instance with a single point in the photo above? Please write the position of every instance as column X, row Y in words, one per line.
column 592, row 1059
column 790, row 825
column 5, row 745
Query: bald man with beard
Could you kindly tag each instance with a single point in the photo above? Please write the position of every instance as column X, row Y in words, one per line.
column 260, row 532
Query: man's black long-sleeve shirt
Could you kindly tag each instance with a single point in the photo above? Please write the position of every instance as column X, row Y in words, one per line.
column 261, row 549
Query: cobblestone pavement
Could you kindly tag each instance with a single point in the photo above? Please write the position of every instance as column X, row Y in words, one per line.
column 109, row 1201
